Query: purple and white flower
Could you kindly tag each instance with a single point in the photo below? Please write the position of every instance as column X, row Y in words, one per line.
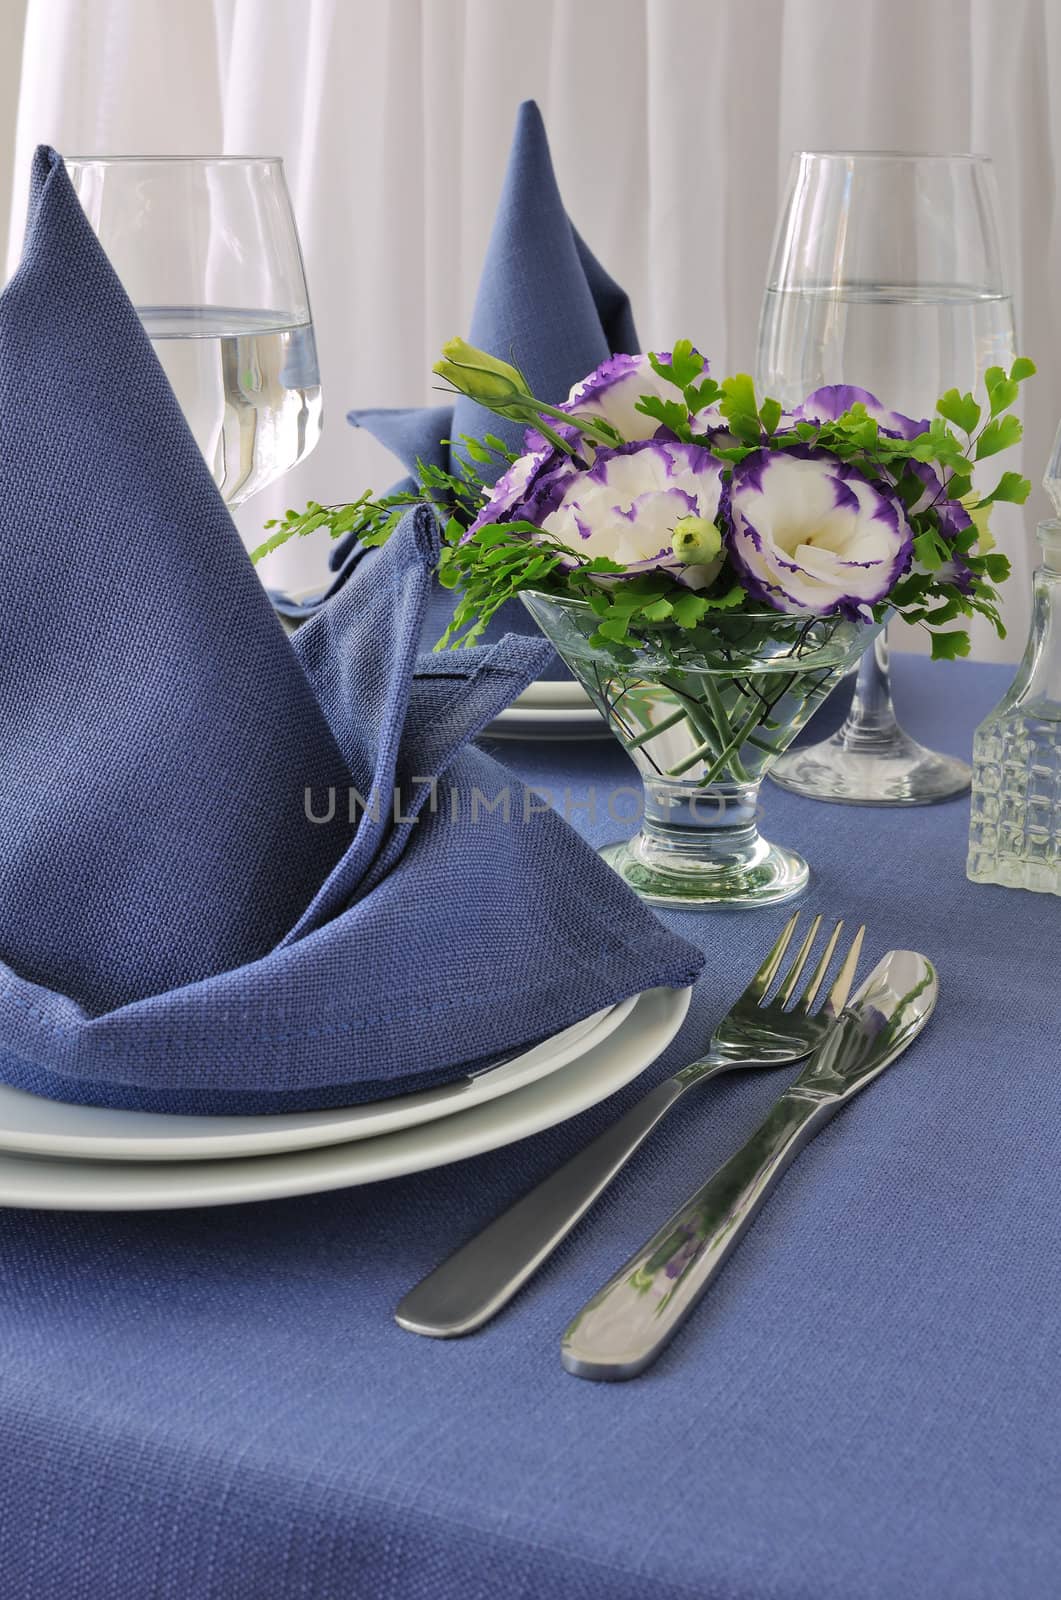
column 831, row 402
column 613, row 389
column 811, row 534
column 826, row 404
column 528, row 488
column 533, row 484
column 630, row 504
column 611, row 392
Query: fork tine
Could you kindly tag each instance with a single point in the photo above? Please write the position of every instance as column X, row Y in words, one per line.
column 768, row 971
column 788, row 986
column 814, row 983
column 837, row 997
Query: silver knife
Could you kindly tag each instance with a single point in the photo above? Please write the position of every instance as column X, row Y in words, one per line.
column 624, row 1327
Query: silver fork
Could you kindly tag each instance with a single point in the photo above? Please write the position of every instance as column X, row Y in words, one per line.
column 474, row 1283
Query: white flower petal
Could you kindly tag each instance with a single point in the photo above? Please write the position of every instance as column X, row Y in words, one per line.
column 613, row 390
column 812, row 534
column 627, row 505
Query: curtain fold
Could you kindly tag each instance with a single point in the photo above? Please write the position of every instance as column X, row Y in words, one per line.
column 672, row 123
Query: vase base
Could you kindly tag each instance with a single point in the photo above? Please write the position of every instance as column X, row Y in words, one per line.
column 896, row 772
column 766, row 875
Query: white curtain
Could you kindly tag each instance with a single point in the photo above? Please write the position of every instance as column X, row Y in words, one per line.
column 671, row 122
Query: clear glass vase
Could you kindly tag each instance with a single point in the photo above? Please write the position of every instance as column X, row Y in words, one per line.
column 703, row 715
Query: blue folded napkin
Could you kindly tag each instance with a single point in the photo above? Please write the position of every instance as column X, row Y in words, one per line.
column 545, row 301
column 236, row 873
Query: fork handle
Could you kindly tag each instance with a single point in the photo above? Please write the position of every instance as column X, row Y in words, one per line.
column 474, row 1283
column 624, row 1327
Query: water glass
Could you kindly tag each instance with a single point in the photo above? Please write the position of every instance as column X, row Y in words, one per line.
column 885, row 274
column 208, row 251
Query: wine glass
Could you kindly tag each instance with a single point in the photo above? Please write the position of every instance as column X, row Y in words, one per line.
column 208, row 252
column 885, row 274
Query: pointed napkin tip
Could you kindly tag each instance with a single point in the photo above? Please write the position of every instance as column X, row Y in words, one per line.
column 46, row 162
column 530, row 133
column 529, row 114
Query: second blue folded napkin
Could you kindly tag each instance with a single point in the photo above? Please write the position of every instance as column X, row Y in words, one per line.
column 545, row 301
column 237, row 875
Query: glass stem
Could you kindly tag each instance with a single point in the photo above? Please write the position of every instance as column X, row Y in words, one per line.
column 872, row 713
column 700, row 823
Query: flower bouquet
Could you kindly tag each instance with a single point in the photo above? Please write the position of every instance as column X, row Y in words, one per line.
column 709, row 567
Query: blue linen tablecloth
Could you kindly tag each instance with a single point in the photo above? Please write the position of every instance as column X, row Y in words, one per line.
column 218, row 1404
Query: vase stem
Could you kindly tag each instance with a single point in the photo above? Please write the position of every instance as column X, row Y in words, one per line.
column 682, row 814
column 700, row 845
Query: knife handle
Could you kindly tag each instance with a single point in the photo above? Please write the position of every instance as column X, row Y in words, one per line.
column 474, row 1283
column 624, row 1327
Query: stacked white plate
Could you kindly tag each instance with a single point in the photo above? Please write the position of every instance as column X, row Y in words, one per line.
column 55, row 1156
column 548, row 710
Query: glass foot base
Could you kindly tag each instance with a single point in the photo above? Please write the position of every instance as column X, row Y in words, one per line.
column 896, row 772
column 764, row 875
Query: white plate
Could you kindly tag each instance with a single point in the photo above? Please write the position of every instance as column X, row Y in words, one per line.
column 541, row 722
column 562, row 694
column 37, row 1126
column 50, row 1184
column 551, row 710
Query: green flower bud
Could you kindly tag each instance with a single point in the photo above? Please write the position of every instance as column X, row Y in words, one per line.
column 696, row 541
column 482, row 377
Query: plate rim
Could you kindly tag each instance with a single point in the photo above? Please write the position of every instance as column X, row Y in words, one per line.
column 282, row 1133
column 538, row 722
column 657, row 1016
column 573, row 714
column 569, row 696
